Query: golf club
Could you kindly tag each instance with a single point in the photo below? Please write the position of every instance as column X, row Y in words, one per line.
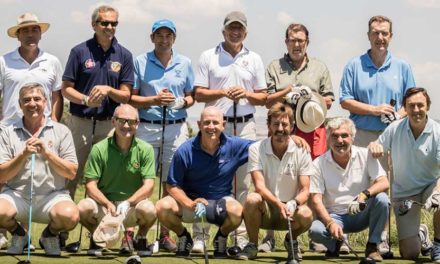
column 205, row 251
column 234, row 250
column 134, row 258
column 74, row 247
column 159, row 171
column 293, row 260
column 362, row 260
column 389, row 254
column 406, row 205
column 28, row 259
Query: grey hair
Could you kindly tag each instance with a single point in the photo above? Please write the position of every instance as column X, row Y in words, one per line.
column 337, row 122
column 103, row 9
column 126, row 107
column 31, row 86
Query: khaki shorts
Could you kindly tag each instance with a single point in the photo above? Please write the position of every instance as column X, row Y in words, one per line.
column 271, row 219
column 41, row 204
column 408, row 225
column 99, row 211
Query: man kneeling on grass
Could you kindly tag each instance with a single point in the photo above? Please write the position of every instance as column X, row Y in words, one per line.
column 200, row 180
column 281, row 175
column 55, row 163
column 120, row 179
column 342, row 196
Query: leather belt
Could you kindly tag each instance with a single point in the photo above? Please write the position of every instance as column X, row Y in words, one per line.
column 239, row 119
column 167, row 122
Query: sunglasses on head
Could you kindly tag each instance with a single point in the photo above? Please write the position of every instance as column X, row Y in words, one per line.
column 122, row 121
column 106, row 23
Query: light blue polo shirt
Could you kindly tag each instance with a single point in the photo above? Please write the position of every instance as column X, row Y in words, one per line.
column 150, row 77
column 415, row 162
column 364, row 82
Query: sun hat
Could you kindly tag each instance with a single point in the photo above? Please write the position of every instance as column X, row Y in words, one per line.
column 310, row 113
column 25, row 20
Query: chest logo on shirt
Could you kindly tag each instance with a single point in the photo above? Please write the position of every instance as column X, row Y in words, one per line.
column 50, row 144
column 178, row 72
column 136, row 165
column 115, row 66
column 89, row 64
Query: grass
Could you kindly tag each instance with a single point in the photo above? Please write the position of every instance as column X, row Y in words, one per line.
column 357, row 241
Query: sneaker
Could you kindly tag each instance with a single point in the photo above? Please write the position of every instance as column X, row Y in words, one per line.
column 292, row 256
column 250, row 251
column 94, row 250
column 317, row 247
column 167, row 244
column 143, row 250
column 267, row 245
column 334, row 254
column 372, row 252
column 383, row 247
column 3, row 241
column 242, row 242
column 51, row 245
column 32, row 248
column 17, row 245
column 435, row 252
column 424, row 239
column 198, row 245
column 220, row 245
column 127, row 243
column 184, row 245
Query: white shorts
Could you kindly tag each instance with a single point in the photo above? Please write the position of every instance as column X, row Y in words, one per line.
column 41, row 204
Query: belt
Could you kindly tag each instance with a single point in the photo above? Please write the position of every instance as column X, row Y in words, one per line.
column 99, row 118
column 167, row 122
column 239, row 119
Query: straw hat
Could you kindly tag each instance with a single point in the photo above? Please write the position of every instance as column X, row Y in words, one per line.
column 310, row 113
column 25, row 20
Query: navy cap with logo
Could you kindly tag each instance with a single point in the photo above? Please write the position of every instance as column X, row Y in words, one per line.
column 235, row 16
column 166, row 23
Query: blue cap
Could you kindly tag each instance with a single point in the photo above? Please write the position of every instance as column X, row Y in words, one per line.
column 164, row 23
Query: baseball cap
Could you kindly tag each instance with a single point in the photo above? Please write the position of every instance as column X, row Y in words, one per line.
column 164, row 23
column 235, row 16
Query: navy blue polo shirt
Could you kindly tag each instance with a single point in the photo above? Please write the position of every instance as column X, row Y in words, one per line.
column 89, row 65
column 199, row 174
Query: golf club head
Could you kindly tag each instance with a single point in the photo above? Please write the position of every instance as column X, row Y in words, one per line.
column 24, row 262
column 73, row 247
column 367, row 261
column 388, row 255
column 133, row 260
column 292, row 261
column 404, row 207
column 155, row 247
column 233, row 251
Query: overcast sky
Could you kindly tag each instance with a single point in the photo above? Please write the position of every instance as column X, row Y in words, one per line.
column 338, row 30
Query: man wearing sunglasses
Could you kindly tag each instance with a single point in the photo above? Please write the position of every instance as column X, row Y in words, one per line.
column 120, row 179
column 98, row 76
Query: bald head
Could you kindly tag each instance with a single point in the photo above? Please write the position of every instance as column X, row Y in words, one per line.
column 126, row 111
column 212, row 111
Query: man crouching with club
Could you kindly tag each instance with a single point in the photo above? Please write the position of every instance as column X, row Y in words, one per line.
column 200, row 183
column 120, row 179
column 280, row 172
column 54, row 163
column 342, row 196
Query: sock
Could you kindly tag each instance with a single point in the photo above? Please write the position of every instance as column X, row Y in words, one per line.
column 47, row 233
column 19, row 231
column 220, row 233
column 184, row 232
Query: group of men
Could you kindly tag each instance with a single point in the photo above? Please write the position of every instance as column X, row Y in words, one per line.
column 135, row 112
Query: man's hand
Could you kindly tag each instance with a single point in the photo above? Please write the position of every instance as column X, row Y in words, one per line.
column 291, row 208
column 300, row 142
column 382, row 109
column 179, row 103
column 433, row 202
column 165, row 97
column 111, row 209
column 389, row 118
column 335, row 230
column 98, row 94
column 357, row 205
column 123, row 208
column 200, row 210
column 235, row 93
column 376, row 149
column 304, row 91
column 284, row 211
column 35, row 145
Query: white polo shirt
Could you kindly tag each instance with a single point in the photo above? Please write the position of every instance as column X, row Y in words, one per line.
column 280, row 176
column 16, row 71
column 219, row 70
column 340, row 186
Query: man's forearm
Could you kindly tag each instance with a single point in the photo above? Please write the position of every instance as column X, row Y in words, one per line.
column 64, row 168
column 10, row 169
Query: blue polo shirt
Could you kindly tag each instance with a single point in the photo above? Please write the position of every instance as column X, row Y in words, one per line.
column 151, row 77
column 364, row 82
column 89, row 65
column 416, row 162
column 201, row 175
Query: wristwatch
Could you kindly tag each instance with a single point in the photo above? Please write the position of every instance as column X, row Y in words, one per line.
column 85, row 100
column 367, row 193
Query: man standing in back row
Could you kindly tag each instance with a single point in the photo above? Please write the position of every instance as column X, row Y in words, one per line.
column 231, row 77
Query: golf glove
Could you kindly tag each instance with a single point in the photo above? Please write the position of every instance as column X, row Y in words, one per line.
column 355, row 207
column 122, row 208
column 389, row 118
column 305, row 91
column 179, row 103
column 433, row 202
column 200, row 210
column 291, row 206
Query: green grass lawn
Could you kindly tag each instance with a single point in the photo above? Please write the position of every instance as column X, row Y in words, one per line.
column 357, row 241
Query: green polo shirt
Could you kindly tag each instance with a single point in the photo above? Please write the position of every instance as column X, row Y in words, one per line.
column 120, row 175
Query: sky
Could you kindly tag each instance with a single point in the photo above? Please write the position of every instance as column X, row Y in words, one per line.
column 338, row 31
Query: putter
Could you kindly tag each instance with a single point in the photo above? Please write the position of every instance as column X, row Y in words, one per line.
column 74, row 247
column 389, row 254
column 134, row 258
column 205, row 251
column 234, row 250
column 28, row 259
column 362, row 260
column 159, row 171
column 293, row 260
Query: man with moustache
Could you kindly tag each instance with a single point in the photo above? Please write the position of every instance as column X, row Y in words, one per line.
column 343, row 198
column 163, row 85
column 415, row 151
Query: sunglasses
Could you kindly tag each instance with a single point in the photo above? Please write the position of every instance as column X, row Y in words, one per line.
column 106, row 23
column 130, row 122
